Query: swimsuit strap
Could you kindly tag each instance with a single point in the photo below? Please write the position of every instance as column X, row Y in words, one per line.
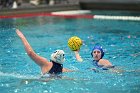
column 96, row 63
column 99, row 66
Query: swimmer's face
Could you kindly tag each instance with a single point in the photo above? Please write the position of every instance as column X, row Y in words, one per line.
column 96, row 54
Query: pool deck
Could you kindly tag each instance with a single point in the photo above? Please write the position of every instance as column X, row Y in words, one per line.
column 27, row 8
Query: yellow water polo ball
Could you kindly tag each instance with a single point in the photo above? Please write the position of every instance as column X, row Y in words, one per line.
column 74, row 43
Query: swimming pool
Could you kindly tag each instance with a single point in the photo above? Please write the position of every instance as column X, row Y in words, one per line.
column 120, row 40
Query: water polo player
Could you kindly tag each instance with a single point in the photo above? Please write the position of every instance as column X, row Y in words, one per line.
column 98, row 61
column 54, row 66
column 97, row 55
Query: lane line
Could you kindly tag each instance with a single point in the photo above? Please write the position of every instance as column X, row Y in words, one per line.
column 88, row 16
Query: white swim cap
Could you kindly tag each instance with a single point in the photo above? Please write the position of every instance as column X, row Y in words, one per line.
column 58, row 56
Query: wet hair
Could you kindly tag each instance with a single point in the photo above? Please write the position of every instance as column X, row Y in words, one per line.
column 99, row 48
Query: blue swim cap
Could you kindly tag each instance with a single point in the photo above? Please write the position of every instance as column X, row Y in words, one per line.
column 99, row 48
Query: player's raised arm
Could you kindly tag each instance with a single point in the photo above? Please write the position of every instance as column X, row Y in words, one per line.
column 74, row 44
column 41, row 61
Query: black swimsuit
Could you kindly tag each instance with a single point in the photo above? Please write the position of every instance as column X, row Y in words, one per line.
column 56, row 68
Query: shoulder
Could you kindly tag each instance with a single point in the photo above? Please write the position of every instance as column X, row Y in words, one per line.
column 46, row 68
column 105, row 62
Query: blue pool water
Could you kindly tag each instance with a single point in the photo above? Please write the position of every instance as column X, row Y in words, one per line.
column 120, row 40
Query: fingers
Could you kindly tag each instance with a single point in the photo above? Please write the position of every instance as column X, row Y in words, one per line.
column 17, row 31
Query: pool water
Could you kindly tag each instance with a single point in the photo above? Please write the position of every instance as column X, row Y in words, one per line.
column 120, row 40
